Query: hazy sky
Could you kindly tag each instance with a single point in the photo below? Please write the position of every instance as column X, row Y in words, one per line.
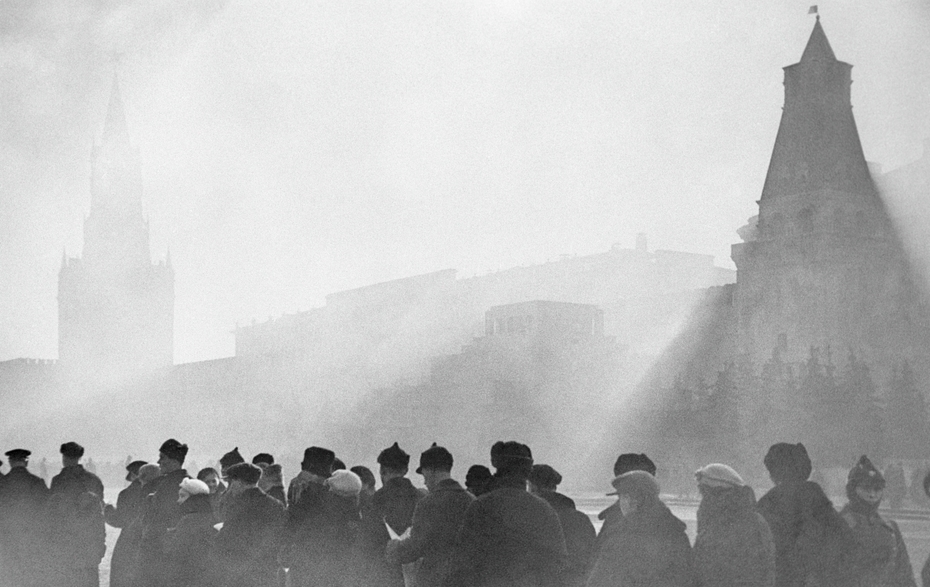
column 292, row 149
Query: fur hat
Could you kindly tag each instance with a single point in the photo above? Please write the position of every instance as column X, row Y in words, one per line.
column 72, row 450
column 545, row 477
column 263, row 459
column 511, row 456
column 788, row 462
column 231, row 458
column 864, row 474
column 194, row 487
column 173, row 449
column 245, row 472
column 638, row 484
column 318, row 461
column 393, row 457
column 634, row 462
column 435, row 457
column 718, row 475
column 344, row 483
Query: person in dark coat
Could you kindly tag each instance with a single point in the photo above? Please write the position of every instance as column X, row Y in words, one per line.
column 248, row 543
column 392, row 505
column 78, row 532
column 436, row 521
column 509, row 537
column 128, row 508
column 313, row 523
column 477, row 479
column 233, row 457
column 580, row 536
column 647, row 545
column 189, row 545
column 624, row 464
column 881, row 559
column 23, row 497
column 162, row 511
column 734, row 546
column 272, row 482
column 812, row 543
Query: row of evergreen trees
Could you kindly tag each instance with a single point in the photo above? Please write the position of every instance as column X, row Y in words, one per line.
column 838, row 412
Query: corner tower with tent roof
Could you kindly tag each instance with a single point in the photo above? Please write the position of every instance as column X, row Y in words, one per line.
column 823, row 266
column 115, row 307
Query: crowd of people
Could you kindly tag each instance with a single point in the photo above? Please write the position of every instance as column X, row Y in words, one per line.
column 240, row 527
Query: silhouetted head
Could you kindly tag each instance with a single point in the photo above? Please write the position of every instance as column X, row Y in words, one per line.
column 512, row 459
column 788, row 463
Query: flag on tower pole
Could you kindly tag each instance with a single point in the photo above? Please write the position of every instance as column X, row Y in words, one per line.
column 812, row 9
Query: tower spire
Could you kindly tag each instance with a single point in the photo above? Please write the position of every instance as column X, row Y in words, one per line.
column 817, row 146
column 115, row 125
column 818, row 47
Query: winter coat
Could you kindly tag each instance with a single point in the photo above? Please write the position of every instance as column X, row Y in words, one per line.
column 647, row 548
column 509, row 538
column 433, row 533
column 272, row 483
column 734, row 546
column 78, row 530
column 881, row 557
column 321, row 536
column 160, row 512
column 123, row 563
column 580, row 537
column 374, row 569
column 189, row 545
column 23, row 497
column 812, row 542
column 246, row 547
column 395, row 502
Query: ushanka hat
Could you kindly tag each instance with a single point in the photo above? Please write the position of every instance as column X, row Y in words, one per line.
column 263, row 459
column 173, row 449
column 634, row 462
column 72, row 450
column 545, row 477
column 319, row 461
column 244, row 472
column 393, row 457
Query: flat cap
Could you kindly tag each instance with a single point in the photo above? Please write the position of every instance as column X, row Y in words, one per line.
column 18, row 454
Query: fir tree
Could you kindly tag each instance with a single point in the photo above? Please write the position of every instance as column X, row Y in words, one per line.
column 907, row 415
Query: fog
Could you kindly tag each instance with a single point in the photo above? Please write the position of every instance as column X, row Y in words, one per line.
column 295, row 149
column 291, row 150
